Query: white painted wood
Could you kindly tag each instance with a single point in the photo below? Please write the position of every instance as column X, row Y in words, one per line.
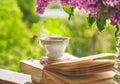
column 10, row 77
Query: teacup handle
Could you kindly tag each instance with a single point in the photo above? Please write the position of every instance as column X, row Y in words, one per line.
column 39, row 42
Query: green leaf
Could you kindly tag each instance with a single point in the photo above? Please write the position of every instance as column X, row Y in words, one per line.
column 102, row 16
column 91, row 19
column 69, row 11
column 101, row 23
column 111, row 10
column 117, row 30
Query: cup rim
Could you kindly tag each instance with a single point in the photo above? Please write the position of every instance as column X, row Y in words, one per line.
column 54, row 38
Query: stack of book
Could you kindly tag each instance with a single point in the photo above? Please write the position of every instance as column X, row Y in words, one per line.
column 85, row 71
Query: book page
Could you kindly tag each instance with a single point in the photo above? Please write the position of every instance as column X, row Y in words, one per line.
column 72, row 58
column 100, row 78
column 82, row 68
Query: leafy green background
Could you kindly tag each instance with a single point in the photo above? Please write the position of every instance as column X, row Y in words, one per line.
column 21, row 28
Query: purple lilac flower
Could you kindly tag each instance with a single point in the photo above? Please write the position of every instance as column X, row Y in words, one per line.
column 115, row 18
column 92, row 6
column 41, row 5
column 109, row 2
column 73, row 3
column 118, row 5
column 112, row 3
column 64, row 2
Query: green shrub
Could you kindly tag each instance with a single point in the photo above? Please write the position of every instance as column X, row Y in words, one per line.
column 28, row 9
column 14, row 36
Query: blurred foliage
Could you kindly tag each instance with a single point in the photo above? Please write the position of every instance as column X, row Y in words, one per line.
column 54, row 5
column 20, row 32
column 28, row 9
column 81, row 35
column 14, row 36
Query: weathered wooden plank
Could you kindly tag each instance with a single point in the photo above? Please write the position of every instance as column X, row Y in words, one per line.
column 10, row 77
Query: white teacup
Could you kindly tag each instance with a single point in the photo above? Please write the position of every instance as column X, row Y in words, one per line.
column 54, row 46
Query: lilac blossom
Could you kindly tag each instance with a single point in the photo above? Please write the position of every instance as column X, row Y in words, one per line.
column 115, row 18
column 41, row 5
column 64, row 2
column 109, row 2
column 112, row 3
column 73, row 3
column 118, row 5
column 91, row 6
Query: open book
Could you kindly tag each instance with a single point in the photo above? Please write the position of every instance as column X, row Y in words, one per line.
column 81, row 66
column 82, row 71
column 85, row 67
